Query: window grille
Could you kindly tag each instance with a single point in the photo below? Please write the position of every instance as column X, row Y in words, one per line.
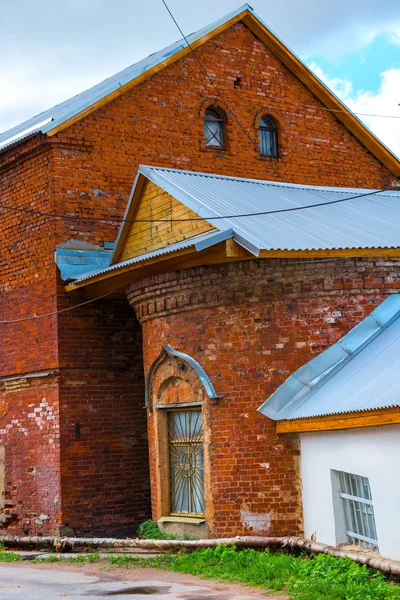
column 268, row 136
column 213, row 129
column 186, row 462
column 359, row 511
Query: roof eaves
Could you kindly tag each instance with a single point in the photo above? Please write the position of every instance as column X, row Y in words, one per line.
column 199, row 242
column 300, row 386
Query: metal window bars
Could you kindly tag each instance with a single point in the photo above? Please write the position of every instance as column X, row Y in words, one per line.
column 186, row 462
column 213, row 129
column 359, row 512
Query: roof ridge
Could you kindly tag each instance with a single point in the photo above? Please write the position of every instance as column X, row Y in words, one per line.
column 282, row 184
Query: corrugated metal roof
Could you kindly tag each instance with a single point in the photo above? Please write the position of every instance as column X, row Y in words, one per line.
column 368, row 222
column 360, row 372
column 60, row 113
column 199, row 242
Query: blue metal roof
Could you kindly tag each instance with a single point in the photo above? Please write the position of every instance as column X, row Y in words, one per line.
column 199, row 242
column 62, row 112
column 368, row 222
column 360, row 372
column 74, row 262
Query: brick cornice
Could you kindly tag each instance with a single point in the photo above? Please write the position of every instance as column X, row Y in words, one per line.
column 249, row 282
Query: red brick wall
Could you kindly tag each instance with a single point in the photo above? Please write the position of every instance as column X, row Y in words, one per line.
column 104, row 471
column 160, row 122
column 250, row 325
column 88, row 170
column 29, row 428
column 29, row 431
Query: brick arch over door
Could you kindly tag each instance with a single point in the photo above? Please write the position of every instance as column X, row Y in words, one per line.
column 177, row 384
column 178, row 368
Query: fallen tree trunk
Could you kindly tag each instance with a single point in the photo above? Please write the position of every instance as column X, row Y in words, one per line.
column 63, row 544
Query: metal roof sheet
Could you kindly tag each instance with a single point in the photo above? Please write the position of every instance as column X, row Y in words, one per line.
column 75, row 262
column 199, row 242
column 63, row 111
column 360, row 372
column 367, row 222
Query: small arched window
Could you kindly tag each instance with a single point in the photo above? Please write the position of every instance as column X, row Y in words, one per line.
column 268, row 136
column 214, row 128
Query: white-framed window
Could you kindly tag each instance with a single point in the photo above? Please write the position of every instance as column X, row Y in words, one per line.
column 358, row 509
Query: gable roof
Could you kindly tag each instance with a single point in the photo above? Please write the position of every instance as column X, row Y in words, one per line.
column 367, row 222
column 361, row 372
column 65, row 114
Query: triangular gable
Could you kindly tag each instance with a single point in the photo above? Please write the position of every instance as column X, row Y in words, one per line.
column 155, row 219
column 100, row 95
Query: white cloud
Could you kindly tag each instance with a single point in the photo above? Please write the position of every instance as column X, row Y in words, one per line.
column 383, row 102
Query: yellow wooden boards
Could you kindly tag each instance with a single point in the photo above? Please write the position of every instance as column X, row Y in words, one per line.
column 159, row 221
column 371, row 418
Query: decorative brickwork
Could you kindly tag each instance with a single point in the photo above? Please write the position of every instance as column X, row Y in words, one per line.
column 250, row 325
column 88, row 170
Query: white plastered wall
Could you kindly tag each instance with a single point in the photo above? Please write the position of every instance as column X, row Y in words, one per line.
column 372, row 452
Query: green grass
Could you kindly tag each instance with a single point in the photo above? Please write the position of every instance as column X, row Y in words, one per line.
column 9, row 556
column 324, row 577
column 71, row 560
column 149, row 530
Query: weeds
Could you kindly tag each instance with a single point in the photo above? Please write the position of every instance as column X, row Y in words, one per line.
column 74, row 560
column 9, row 556
column 325, row 577
column 149, row 530
column 302, row 578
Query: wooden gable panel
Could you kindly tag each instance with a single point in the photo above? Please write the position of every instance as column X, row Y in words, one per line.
column 147, row 234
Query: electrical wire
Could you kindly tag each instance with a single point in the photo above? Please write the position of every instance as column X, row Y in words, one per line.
column 208, row 218
column 316, row 107
column 217, row 89
column 270, row 161
column 303, row 261
column 122, row 220
column 56, row 312
column 119, row 220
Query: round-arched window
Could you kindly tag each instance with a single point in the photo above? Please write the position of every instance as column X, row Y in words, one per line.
column 214, row 128
column 268, row 137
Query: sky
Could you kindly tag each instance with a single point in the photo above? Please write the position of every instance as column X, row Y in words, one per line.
column 54, row 49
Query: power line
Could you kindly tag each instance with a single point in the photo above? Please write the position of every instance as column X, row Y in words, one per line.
column 271, row 164
column 208, row 218
column 226, row 104
column 56, row 312
column 304, row 261
column 217, row 89
column 318, row 107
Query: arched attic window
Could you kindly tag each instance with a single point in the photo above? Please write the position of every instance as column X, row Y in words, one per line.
column 268, row 136
column 214, row 125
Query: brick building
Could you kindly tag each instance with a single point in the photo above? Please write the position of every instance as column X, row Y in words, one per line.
column 217, row 325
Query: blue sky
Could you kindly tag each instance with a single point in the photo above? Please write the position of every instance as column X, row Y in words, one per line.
column 52, row 49
column 363, row 67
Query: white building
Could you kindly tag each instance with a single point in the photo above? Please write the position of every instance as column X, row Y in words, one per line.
column 344, row 405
